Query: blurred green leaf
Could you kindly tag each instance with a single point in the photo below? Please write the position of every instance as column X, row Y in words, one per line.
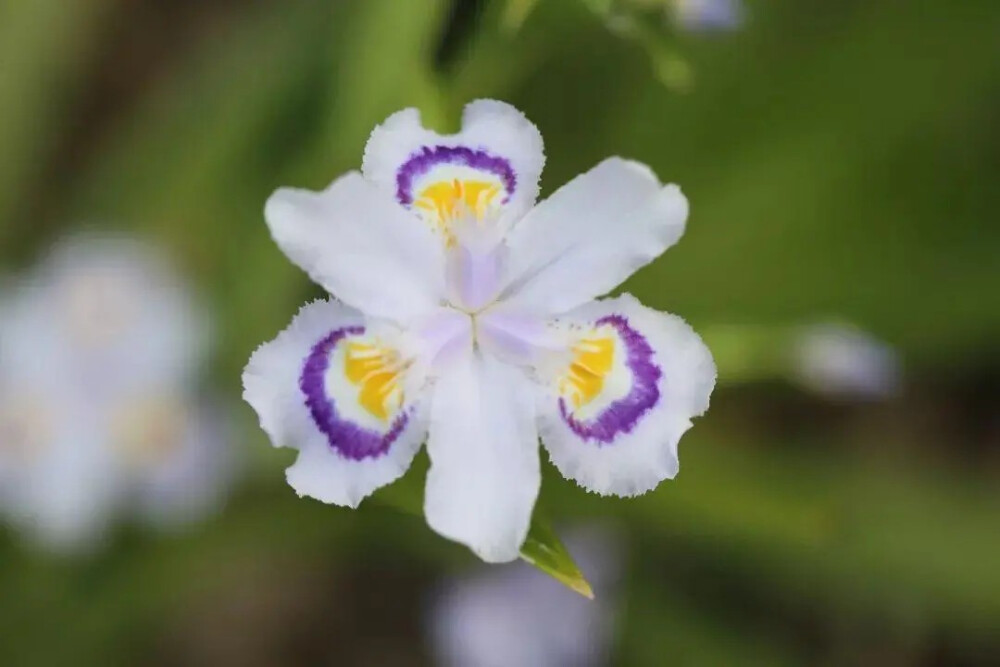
column 202, row 134
column 516, row 12
column 365, row 90
column 46, row 47
column 496, row 62
column 863, row 531
column 662, row 621
column 192, row 165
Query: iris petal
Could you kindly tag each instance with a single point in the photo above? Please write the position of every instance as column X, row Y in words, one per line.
column 615, row 412
column 318, row 388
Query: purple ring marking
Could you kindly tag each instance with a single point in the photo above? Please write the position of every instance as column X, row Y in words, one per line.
column 622, row 415
column 428, row 157
column 349, row 439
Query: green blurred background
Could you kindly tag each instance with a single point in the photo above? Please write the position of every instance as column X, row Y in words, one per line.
column 841, row 159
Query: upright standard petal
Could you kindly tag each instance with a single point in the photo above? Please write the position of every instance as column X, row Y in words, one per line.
column 329, row 388
column 362, row 248
column 483, row 446
column 615, row 412
column 591, row 235
column 490, row 169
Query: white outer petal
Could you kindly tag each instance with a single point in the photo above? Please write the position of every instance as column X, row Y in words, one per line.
column 195, row 480
column 590, row 235
column 106, row 313
column 271, row 387
column 637, row 461
column 69, row 496
column 494, row 126
column 362, row 248
column 485, row 471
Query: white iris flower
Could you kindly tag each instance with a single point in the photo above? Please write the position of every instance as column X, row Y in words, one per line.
column 465, row 316
column 100, row 347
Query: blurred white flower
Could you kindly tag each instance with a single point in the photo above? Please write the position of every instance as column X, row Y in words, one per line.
column 707, row 15
column 515, row 615
column 99, row 351
column 839, row 359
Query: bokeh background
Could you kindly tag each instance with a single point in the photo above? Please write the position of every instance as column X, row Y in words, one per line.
column 841, row 159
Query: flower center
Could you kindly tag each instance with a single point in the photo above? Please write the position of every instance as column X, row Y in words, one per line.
column 98, row 309
column 476, row 263
column 148, row 430
column 375, row 372
column 25, row 428
column 593, row 359
column 444, row 202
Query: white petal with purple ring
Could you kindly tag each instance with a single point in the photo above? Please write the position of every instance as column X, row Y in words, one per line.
column 630, row 446
column 496, row 144
column 289, row 383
